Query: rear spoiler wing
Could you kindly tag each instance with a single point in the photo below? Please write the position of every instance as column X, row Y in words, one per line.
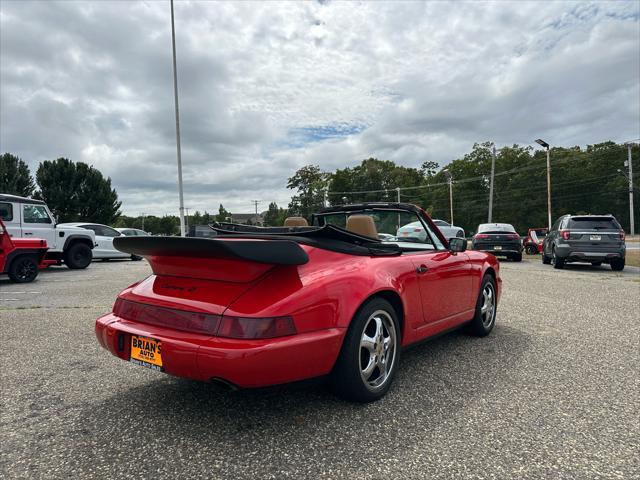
column 273, row 252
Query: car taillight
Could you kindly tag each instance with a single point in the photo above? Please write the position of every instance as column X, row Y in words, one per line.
column 167, row 317
column 565, row 234
column 481, row 235
column 515, row 236
column 254, row 328
column 622, row 235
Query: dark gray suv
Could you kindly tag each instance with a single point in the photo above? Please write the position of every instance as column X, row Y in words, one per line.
column 596, row 239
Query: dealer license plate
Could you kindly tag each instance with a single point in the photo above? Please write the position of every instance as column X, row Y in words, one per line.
column 595, row 237
column 146, row 352
column 498, row 247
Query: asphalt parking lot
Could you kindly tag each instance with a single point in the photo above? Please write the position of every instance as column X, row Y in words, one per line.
column 552, row 393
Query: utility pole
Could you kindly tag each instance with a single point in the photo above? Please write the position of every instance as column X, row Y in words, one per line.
column 186, row 222
column 175, row 98
column 398, row 192
column 447, row 174
column 493, row 171
column 632, row 228
column 142, row 215
column 255, row 203
column 546, row 145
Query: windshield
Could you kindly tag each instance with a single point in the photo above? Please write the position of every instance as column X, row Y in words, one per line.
column 392, row 226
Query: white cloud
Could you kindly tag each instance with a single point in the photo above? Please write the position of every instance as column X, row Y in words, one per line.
column 268, row 87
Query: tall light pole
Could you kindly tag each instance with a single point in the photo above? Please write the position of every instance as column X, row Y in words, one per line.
column 632, row 228
column 546, row 145
column 493, row 171
column 447, row 174
column 175, row 98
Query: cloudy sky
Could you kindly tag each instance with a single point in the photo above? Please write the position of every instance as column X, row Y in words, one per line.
column 266, row 88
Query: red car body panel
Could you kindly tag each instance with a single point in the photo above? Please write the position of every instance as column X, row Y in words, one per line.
column 11, row 247
column 322, row 296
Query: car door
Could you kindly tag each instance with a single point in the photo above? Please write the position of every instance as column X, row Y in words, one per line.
column 548, row 240
column 37, row 223
column 445, row 281
column 10, row 215
column 108, row 234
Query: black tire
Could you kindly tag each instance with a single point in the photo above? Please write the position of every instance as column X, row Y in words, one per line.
column 617, row 265
column 481, row 325
column 517, row 257
column 545, row 260
column 136, row 258
column 347, row 377
column 78, row 256
column 532, row 250
column 596, row 264
column 557, row 261
column 23, row 269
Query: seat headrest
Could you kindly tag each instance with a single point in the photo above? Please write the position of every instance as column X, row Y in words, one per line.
column 362, row 225
column 295, row 222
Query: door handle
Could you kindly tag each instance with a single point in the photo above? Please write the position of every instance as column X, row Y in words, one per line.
column 28, row 233
column 422, row 269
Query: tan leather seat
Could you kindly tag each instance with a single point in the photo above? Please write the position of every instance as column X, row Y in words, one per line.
column 362, row 225
column 295, row 222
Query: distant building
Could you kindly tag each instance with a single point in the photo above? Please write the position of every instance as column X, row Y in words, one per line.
column 248, row 219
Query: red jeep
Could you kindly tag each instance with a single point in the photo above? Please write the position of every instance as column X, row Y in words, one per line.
column 20, row 257
column 533, row 243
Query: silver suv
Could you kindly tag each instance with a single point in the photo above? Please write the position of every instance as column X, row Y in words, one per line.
column 596, row 239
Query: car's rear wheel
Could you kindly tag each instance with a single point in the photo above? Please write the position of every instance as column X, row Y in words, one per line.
column 545, row 259
column 23, row 269
column 532, row 250
column 557, row 262
column 617, row 265
column 486, row 306
column 78, row 256
column 370, row 353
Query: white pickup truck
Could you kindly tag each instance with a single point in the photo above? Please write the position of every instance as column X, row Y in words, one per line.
column 30, row 218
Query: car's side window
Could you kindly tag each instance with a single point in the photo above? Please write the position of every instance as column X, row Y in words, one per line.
column 109, row 232
column 35, row 214
column 6, row 211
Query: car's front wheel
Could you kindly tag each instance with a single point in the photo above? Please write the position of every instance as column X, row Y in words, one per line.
column 23, row 269
column 486, row 306
column 78, row 256
column 370, row 353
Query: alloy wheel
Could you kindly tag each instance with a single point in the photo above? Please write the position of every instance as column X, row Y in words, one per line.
column 488, row 308
column 26, row 270
column 378, row 344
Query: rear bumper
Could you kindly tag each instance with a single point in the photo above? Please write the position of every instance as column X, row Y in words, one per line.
column 582, row 254
column 243, row 363
column 504, row 248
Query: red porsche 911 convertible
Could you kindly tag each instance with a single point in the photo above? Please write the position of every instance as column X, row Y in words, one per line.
column 255, row 306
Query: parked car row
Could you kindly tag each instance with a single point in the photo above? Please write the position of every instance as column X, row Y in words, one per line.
column 594, row 239
column 73, row 244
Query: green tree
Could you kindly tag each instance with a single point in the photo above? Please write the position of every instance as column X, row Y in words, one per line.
column 223, row 214
column 310, row 184
column 275, row 216
column 77, row 192
column 15, row 177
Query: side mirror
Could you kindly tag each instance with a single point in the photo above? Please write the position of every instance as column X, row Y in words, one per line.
column 457, row 244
